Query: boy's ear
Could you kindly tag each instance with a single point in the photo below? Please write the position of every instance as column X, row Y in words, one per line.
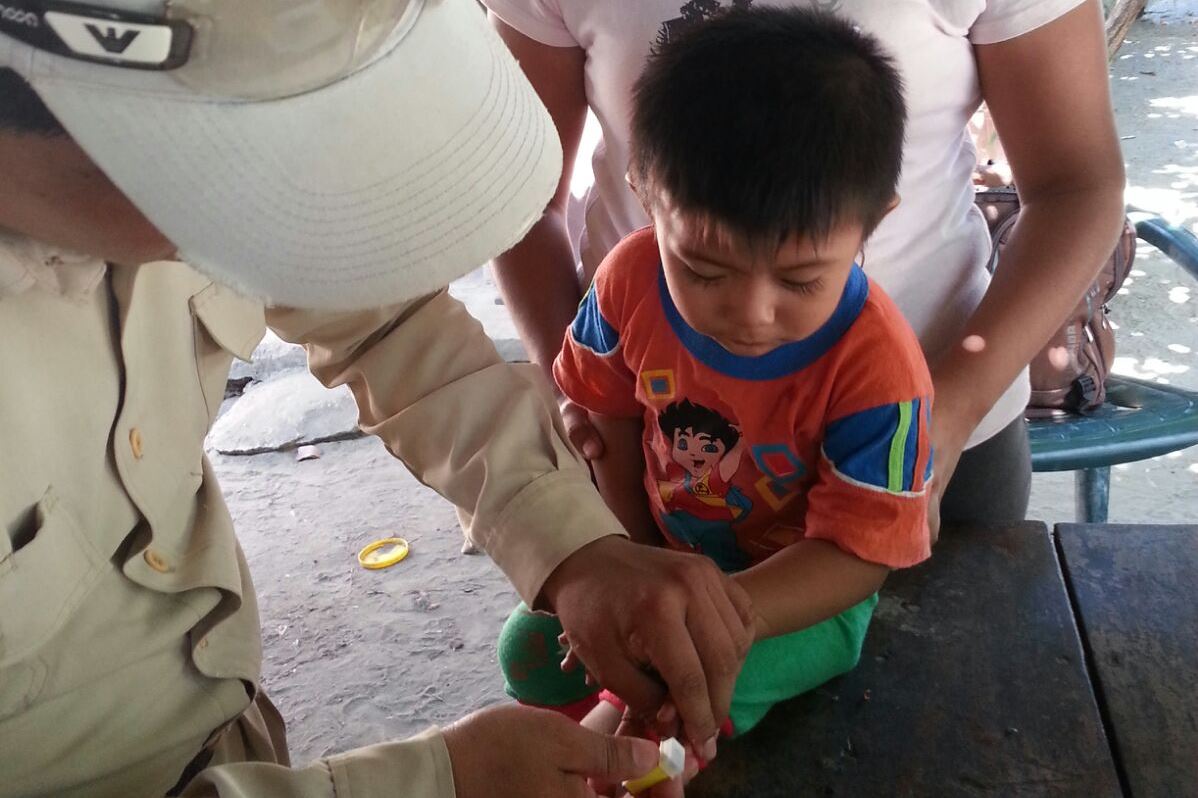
column 894, row 203
column 646, row 206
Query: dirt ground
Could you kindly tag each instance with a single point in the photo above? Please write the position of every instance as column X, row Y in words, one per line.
column 355, row 656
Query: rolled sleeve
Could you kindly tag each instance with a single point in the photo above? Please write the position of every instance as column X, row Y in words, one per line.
column 537, row 19
column 1007, row 19
column 484, row 434
column 415, row 768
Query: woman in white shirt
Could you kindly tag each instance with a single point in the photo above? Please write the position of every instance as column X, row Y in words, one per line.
column 1040, row 65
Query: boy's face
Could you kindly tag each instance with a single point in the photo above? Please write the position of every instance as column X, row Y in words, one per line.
column 697, row 452
column 752, row 302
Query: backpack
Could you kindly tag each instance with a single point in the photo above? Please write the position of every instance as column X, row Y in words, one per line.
column 1069, row 373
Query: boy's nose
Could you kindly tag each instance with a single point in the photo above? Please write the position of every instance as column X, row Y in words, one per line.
column 754, row 308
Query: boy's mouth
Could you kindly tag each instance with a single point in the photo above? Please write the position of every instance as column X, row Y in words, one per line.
column 698, row 463
column 748, row 348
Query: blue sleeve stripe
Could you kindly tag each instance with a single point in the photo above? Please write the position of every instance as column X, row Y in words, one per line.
column 879, row 446
column 590, row 330
column 927, row 421
column 859, row 445
column 911, row 450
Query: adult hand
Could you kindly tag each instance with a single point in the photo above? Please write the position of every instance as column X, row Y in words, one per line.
column 512, row 750
column 953, row 421
column 582, row 433
column 638, row 616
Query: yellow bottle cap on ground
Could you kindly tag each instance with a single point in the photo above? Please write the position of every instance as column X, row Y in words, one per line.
column 383, row 553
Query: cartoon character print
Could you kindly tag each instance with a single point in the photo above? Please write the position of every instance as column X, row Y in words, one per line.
column 701, row 503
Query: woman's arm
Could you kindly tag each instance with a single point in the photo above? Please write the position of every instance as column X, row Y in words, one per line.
column 537, row 276
column 1048, row 94
column 620, row 475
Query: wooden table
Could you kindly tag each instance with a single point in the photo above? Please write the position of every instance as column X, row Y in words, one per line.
column 1135, row 590
column 975, row 680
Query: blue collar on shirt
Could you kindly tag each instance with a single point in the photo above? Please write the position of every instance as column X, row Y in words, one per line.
column 786, row 359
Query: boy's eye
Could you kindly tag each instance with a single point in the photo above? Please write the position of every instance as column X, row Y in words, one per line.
column 682, row 445
column 808, row 287
column 700, row 278
column 711, row 448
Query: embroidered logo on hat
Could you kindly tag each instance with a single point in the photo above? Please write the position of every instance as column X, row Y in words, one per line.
column 104, row 35
column 127, row 41
column 109, row 40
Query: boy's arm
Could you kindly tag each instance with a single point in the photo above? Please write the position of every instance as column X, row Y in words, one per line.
column 620, row 475
column 805, row 583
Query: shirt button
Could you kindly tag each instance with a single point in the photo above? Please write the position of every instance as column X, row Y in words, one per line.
column 135, row 442
column 156, row 561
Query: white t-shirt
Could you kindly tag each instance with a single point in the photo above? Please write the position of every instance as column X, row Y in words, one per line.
column 929, row 254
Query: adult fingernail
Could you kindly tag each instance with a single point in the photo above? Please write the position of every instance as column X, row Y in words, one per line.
column 709, row 749
column 645, row 755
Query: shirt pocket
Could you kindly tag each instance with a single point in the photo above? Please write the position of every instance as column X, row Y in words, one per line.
column 42, row 584
column 227, row 325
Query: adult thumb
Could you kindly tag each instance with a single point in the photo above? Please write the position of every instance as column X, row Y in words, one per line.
column 609, row 758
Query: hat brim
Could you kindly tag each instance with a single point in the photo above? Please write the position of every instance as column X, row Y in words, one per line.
column 378, row 188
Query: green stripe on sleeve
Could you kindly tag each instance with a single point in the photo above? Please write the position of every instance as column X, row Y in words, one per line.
column 898, row 448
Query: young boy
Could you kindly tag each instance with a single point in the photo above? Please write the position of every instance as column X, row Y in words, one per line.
column 762, row 402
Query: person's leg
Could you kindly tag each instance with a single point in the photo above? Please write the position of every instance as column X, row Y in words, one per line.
column 530, row 658
column 993, row 480
column 789, row 665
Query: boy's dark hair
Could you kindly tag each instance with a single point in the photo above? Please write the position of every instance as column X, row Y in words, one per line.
column 770, row 122
column 22, row 110
column 697, row 418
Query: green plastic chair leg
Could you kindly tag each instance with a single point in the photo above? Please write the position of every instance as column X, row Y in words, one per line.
column 1092, row 494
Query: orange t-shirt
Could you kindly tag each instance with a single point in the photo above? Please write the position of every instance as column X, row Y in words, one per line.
column 826, row 437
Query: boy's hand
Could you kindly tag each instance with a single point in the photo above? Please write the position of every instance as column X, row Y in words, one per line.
column 582, row 433
column 518, row 751
column 637, row 616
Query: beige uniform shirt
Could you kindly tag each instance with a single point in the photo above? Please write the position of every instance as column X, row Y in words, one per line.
column 129, row 631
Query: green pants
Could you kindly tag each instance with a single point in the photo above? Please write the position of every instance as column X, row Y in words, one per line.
column 775, row 670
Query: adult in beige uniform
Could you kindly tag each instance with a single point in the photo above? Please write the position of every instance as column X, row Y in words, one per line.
column 383, row 147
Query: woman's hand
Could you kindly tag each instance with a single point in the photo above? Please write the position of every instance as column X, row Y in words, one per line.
column 582, row 433
column 952, row 424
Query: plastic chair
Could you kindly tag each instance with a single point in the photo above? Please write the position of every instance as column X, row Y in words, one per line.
column 1139, row 419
